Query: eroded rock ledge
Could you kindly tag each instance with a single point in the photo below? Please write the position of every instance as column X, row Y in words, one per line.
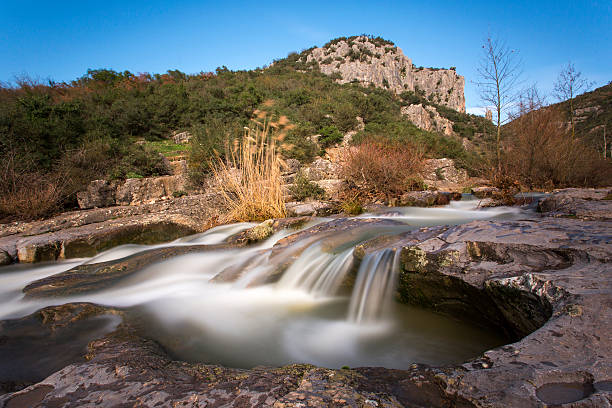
column 551, row 275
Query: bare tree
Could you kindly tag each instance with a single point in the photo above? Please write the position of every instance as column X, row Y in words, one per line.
column 569, row 84
column 499, row 71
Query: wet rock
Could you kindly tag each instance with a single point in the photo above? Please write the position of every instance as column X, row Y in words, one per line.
column 5, row 258
column 589, row 204
column 84, row 233
column 266, row 229
column 34, row 347
column 544, row 279
column 485, row 192
column 92, row 277
column 311, row 208
column 90, row 239
column 419, row 198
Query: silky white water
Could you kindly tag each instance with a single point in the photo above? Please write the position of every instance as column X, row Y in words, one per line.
column 321, row 309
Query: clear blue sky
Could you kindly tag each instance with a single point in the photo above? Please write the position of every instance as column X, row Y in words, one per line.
column 60, row 40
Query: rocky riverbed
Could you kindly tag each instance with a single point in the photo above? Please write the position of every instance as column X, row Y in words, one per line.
column 543, row 281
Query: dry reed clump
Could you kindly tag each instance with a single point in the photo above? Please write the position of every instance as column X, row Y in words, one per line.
column 249, row 179
column 382, row 168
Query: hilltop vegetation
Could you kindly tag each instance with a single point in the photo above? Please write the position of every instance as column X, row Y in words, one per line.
column 56, row 137
column 592, row 112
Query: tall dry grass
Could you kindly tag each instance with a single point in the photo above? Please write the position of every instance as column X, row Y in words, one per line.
column 249, row 179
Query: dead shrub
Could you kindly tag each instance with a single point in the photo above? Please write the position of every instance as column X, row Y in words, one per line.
column 541, row 153
column 27, row 195
column 381, row 168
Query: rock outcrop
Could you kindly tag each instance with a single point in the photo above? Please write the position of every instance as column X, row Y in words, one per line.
column 375, row 61
column 84, row 233
column 427, row 118
column 589, row 204
column 442, row 174
column 134, row 191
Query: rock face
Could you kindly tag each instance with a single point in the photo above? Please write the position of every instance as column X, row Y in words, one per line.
column 428, row 118
column 442, row 174
column 101, row 193
column 379, row 62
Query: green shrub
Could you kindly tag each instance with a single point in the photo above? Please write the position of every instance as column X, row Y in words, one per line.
column 303, row 188
column 351, row 207
column 330, row 135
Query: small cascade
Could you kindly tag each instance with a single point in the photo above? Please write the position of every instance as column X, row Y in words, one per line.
column 318, row 272
column 376, row 281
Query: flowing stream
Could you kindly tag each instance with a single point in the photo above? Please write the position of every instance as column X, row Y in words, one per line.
column 320, row 309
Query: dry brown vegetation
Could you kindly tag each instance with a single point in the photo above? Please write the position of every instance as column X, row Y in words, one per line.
column 249, row 179
column 383, row 169
column 540, row 151
column 29, row 194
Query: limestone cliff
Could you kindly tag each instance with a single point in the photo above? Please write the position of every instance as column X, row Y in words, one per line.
column 373, row 60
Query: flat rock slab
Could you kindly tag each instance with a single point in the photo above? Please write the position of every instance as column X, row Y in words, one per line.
column 84, row 233
column 582, row 203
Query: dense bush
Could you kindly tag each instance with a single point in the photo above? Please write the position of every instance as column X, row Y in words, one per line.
column 540, row 153
column 330, row 135
column 303, row 188
column 383, row 168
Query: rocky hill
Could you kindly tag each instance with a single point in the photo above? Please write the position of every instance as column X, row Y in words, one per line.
column 593, row 113
column 368, row 60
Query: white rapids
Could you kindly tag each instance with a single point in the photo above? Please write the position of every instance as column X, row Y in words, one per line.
column 307, row 315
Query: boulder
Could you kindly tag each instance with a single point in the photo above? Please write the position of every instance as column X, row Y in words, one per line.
column 435, row 170
column 5, row 258
column 137, row 191
column 178, row 167
column 419, row 198
column 291, row 166
column 99, row 193
column 591, row 204
column 181, row 138
column 332, row 187
column 322, row 169
column 314, row 208
column 485, row 192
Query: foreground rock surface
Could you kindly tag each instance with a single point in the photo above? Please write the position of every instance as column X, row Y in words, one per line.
column 545, row 281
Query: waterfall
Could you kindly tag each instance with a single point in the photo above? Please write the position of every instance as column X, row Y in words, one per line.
column 373, row 291
column 318, row 272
